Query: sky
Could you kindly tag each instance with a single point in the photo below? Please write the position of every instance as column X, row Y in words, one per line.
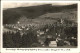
column 17, row 4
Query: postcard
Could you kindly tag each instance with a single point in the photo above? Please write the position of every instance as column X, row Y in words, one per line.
column 40, row 27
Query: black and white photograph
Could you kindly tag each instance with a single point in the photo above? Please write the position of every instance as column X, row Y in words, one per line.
column 40, row 25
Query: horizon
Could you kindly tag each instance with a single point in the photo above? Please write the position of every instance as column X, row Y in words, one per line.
column 16, row 5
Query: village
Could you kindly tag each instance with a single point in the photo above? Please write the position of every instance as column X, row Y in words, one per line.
column 42, row 26
column 31, row 35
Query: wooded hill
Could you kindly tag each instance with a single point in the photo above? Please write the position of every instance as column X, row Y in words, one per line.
column 12, row 15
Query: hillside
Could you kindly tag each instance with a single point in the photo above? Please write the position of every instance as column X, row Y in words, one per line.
column 11, row 16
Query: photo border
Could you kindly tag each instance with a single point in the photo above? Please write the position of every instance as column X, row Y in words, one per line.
column 39, row 50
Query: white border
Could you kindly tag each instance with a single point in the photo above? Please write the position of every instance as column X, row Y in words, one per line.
column 72, row 50
column 40, row 0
